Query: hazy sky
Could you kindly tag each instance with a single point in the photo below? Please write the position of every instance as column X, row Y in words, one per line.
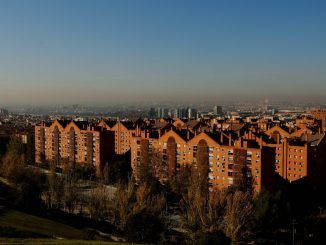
column 102, row 51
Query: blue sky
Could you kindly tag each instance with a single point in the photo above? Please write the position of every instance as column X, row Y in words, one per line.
column 105, row 51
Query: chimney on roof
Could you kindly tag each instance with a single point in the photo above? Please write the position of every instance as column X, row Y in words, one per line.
column 188, row 134
column 230, row 139
column 147, row 134
column 221, row 137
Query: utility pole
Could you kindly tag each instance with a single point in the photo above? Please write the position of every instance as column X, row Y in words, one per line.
column 293, row 230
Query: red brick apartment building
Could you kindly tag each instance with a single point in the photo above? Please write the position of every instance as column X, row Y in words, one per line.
column 77, row 142
column 181, row 148
column 262, row 148
column 293, row 153
column 123, row 133
column 300, row 154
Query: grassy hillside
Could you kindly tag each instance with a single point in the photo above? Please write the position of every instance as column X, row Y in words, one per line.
column 19, row 224
column 54, row 242
column 37, row 225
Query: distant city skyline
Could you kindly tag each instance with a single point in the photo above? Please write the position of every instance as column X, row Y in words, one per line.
column 57, row 52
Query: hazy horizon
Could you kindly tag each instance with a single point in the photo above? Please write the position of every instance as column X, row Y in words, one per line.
column 56, row 52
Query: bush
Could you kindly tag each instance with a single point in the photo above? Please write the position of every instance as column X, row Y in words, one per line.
column 29, row 183
column 143, row 227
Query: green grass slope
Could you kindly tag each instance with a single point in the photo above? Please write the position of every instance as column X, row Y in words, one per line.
column 54, row 242
column 36, row 225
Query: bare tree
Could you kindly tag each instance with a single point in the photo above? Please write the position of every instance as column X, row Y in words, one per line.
column 70, row 189
column 199, row 214
column 53, row 195
column 14, row 157
column 98, row 203
column 121, row 206
column 131, row 200
column 238, row 210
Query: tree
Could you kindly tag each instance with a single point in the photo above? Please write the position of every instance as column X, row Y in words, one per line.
column 70, row 188
column 238, row 210
column 53, row 195
column 84, row 171
column 106, row 174
column 13, row 158
column 143, row 227
column 261, row 216
column 121, row 207
column 98, row 203
column 200, row 218
column 29, row 183
column 133, row 201
column 70, row 195
column 177, row 186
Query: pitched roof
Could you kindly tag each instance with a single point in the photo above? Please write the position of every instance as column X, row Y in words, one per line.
column 192, row 124
column 313, row 139
column 173, row 134
column 81, row 124
column 160, row 125
column 63, row 123
column 185, row 134
column 128, row 124
column 210, row 139
column 110, row 123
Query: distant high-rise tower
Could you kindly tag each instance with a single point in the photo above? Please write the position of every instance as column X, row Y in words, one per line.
column 192, row 113
column 217, row 110
column 4, row 112
column 266, row 105
column 164, row 112
column 159, row 112
column 182, row 113
column 152, row 113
